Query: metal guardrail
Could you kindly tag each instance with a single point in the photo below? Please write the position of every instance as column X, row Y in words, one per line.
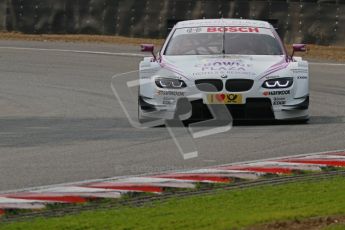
column 310, row 21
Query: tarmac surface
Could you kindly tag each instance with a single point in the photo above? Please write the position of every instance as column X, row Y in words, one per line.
column 60, row 121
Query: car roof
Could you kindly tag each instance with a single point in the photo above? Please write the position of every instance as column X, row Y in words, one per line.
column 223, row 22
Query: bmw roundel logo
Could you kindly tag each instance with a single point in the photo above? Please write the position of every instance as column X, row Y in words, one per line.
column 224, row 76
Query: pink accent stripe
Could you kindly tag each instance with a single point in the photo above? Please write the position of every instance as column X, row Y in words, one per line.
column 171, row 67
column 269, row 71
column 281, row 66
column 272, row 170
column 126, row 187
column 197, row 177
column 164, row 62
column 48, row 197
column 173, row 70
column 327, row 162
column 278, row 63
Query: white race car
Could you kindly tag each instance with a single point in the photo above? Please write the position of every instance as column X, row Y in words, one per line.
column 239, row 64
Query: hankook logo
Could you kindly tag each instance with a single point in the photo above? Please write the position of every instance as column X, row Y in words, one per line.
column 169, row 93
column 275, row 93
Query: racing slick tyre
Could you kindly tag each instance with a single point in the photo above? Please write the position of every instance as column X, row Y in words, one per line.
column 141, row 118
column 295, row 121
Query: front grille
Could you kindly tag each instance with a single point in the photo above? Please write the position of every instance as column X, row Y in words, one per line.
column 209, row 85
column 239, row 85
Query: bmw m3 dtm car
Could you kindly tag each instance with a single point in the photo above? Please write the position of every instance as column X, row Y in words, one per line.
column 240, row 64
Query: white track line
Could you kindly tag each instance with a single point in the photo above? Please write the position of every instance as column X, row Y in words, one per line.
column 74, row 51
column 121, row 54
column 327, row 63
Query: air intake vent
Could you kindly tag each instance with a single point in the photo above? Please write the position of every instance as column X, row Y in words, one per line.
column 209, row 85
column 239, row 85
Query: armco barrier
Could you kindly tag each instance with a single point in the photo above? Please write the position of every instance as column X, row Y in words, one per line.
column 2, row 15
column 311, row 21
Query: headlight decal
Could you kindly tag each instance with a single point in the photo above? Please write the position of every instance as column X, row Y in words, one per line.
column 278, row 83
column 170, row 83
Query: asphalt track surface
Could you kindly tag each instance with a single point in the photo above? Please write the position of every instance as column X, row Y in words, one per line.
column 60, row 121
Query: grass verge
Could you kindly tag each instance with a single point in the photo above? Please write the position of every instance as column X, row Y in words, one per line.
column 79, row 38
column 223, row 210
column 335, row 227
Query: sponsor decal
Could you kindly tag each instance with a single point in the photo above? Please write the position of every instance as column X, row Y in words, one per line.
column 276, row 93
column 223, row 67
column 194, row 30
column 232, row 98
column 170, row 93
column 303, row 64
column 228, row 97
column 279, row 101
column 299, row 71
column 302, row 77
column 220, row 97
column 168, row 100
column 233, row 29
column 224, row 99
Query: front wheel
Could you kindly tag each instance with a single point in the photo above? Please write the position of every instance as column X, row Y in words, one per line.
column 140, row 116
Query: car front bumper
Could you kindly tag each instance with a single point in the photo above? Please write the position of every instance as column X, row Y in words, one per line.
column 257, row 103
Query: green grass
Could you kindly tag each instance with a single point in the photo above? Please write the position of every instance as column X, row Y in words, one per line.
column 335, row 227
column 223, row 210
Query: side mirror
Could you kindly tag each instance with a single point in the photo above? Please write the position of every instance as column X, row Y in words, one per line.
column 298, row 48
column 148, row 48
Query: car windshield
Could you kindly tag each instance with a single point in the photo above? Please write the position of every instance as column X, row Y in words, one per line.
column 237, row 40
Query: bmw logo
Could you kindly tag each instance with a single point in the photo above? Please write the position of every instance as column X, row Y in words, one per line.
column 224, row 76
